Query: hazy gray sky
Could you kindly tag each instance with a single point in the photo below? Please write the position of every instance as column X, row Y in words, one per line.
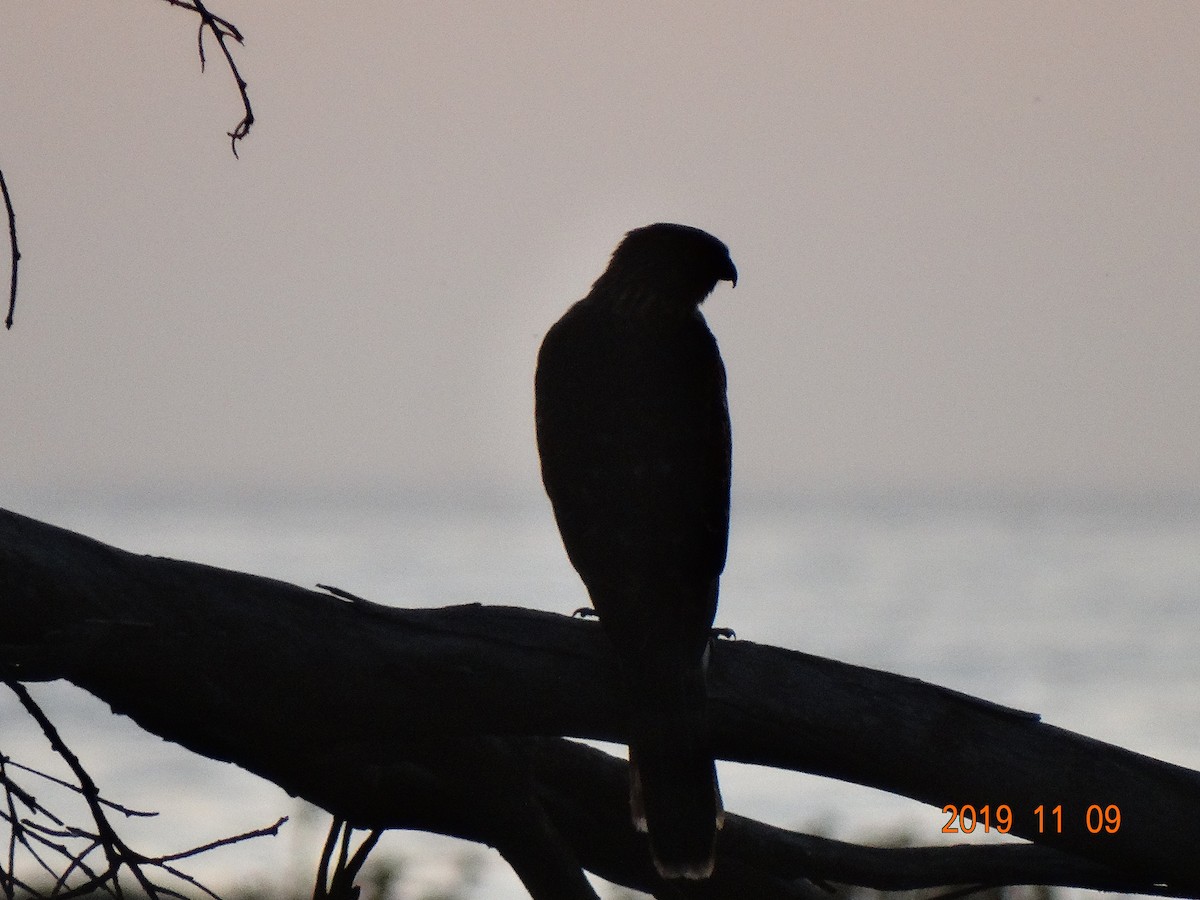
column 966, row 232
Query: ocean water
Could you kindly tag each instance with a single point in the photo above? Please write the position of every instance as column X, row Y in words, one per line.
column 1083, row 610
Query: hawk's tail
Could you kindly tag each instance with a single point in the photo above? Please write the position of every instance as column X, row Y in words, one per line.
column 674, row 795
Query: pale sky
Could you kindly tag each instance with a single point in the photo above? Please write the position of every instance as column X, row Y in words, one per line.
column 967, row 235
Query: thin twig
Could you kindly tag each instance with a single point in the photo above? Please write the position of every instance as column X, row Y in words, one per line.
column 16, row 252
column 124, row 810
column 271, row 830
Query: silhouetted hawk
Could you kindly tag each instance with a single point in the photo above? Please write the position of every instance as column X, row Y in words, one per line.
column 633, row 433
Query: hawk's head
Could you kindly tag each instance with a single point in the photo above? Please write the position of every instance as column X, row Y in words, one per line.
column 677, row 264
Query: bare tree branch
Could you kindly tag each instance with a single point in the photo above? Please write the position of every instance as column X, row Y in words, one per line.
column 221, row 29
column 448, row 721
column 15, row 253
column 338, row 883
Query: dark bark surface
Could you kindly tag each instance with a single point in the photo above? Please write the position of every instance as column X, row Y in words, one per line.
column 452, row 720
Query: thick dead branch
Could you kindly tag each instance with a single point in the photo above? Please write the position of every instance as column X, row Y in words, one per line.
column 448, row 720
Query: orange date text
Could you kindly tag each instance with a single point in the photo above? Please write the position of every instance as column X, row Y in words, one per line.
column 966, row 818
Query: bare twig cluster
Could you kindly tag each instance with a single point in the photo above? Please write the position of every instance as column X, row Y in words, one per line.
column 73, row 860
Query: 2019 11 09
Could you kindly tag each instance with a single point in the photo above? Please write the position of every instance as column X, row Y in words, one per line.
column 966, row 818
